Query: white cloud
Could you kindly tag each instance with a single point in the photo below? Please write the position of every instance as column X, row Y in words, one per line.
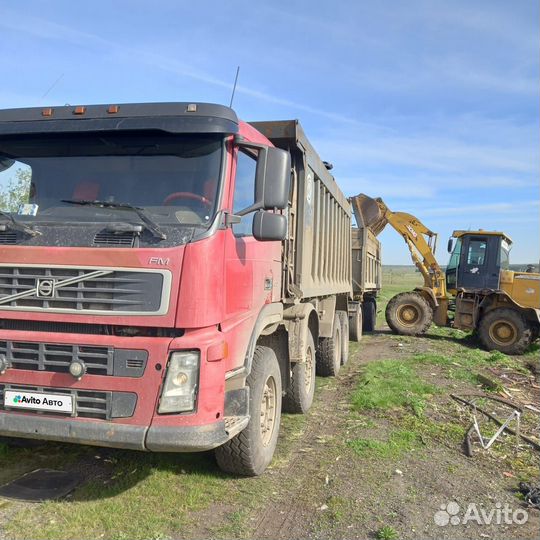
column 515, row 207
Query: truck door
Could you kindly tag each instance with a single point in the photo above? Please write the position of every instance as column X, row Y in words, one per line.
column 252, row 268
column 479, row 263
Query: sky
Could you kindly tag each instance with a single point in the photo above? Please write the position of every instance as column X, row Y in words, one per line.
column 431, row 104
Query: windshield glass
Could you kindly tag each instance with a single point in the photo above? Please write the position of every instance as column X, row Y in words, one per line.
column 173, row 177
column 505, row 255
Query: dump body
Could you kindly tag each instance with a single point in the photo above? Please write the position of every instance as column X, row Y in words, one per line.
column 366, row 263
column 318, row 251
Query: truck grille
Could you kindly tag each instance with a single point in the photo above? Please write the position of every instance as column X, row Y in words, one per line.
column 88, row 403
column 57, row 357
column 95, row 290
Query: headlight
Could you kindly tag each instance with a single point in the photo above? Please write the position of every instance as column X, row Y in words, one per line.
column 180, row 389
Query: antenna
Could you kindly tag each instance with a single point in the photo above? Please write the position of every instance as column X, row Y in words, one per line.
column 51, row 87
column 234, row 86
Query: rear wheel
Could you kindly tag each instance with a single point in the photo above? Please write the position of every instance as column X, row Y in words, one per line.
column 369, row 315
column 344, row 323
column 535, row 331
column 409, row 314
column 329, row 353
column 504, row 330
column 355, row 324
column 299, row 398
column 251, row 451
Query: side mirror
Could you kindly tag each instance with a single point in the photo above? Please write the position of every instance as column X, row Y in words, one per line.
column 450, row 246
column 272, row 178
column 268, row 226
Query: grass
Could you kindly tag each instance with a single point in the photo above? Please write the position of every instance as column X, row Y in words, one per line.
column 149, row 496
column 387, row 533
column 143, row 495
column 399, row 442
column 235, row 526
column 391, row 383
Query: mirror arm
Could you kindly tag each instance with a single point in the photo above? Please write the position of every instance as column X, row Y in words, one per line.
column 249, row 209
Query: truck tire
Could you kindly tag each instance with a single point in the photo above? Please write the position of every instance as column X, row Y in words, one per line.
column 505, row 330
column 369, row 315
column 251, row 451
column 329, row 353
column 535, row 331
column 409, row 314
column 344, row 323
column 299, row 398
column 355, row 324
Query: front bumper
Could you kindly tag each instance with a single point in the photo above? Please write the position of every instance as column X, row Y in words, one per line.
column 133, row 437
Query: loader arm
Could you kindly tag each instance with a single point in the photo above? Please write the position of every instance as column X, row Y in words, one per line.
column 420, row 240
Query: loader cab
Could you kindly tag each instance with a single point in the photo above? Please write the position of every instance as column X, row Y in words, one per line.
column 477, row 259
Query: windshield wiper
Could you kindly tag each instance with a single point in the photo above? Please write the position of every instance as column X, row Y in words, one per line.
column 150, row 224
column 12, row 223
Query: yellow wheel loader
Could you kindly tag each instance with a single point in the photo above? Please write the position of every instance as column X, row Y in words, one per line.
column 501, row 305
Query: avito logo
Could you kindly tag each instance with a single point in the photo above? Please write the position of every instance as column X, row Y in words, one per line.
column 17, row 399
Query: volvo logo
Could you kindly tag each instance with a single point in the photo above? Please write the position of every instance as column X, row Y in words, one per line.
column 45, row 288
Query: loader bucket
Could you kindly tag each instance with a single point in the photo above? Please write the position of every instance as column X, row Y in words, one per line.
column 368, row 213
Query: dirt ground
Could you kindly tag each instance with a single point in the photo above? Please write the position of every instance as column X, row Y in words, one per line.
column 318, row 486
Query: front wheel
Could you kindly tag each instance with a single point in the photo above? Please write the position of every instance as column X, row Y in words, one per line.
column 409, row 314
column 504, row 330
column 251, row 451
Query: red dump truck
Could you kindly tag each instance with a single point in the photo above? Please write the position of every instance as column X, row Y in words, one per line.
column 170, row 278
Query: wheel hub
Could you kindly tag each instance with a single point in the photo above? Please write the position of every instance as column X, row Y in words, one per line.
column 408, row 315
column 503, row 332
column 268, row 410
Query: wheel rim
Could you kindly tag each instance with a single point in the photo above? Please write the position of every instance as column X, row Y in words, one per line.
column 408, row 315
column 503, row 332
column 308, row 369
column 268, row 410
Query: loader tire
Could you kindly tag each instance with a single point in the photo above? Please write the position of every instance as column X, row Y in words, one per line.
column 355, row 324
column 409, row 314
column 344, row 323
column 251, row 451
column 299, row 398
column 369, row 315
column 329, row 353
column 535, row 331
column 505, row 330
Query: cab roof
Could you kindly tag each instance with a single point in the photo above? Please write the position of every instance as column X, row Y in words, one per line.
column 481, row 232
column 180, row 117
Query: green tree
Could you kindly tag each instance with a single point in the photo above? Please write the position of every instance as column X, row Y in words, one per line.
column 16, row 191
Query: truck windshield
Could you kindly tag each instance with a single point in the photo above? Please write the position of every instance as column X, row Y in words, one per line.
column 174, row 178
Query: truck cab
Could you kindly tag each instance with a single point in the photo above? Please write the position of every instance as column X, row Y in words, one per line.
column 139, row 245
